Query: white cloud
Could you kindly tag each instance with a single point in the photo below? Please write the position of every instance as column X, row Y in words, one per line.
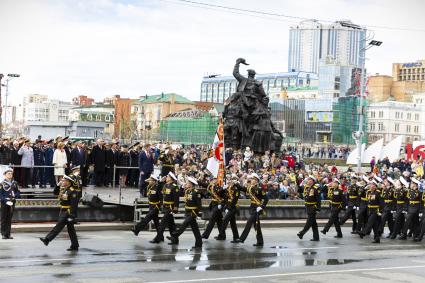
column 104, row 47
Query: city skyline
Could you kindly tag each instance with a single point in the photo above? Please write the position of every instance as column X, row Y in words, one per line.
column 132, row 48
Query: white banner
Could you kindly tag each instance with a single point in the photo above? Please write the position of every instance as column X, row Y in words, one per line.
column 392, row 149
column 374, row 150
column 353, row 156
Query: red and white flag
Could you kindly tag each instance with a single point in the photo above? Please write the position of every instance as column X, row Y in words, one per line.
column 217, row 159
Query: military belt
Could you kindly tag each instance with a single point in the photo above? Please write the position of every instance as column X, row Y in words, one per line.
column 400, row 201
column 373, row 206
column 352, row 197
column 168, row 202
column 414, row 202
column 191, row 207
column 365, row 199
column 336, row 202
column 65, row 206
column 388, row 200
column 168, row 165
column 154, row 203
column 310, row 203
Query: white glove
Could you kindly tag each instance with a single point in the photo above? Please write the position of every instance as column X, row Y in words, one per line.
column 420, row 214
column 404, row 212
column 259, row 209
column 357, row 208
column 346, row 207
column 219, row 206
column 392, row 211
column 226, row 211
column 70, row 219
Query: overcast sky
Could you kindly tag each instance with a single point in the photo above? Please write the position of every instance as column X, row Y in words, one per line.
column 104, row 47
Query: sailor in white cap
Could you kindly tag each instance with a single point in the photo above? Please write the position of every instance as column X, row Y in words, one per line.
column 414, row 205
column 374, row 201
column 231, row 209
column 363, row 202
column 68, row 198
column 259, row 200
column 337, row 202
column 388, row 205
column 154, row 194
column 193, row 205
column 312, row 204
column 9, row 192
column 422, row 222
column 171, row 194
column 400, row 192
column 218, row 200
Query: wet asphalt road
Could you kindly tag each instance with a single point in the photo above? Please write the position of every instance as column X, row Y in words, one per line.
column 118, row 256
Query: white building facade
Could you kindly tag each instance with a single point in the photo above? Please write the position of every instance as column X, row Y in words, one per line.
column 40, row 108
column 311, row 41
column 389, row 119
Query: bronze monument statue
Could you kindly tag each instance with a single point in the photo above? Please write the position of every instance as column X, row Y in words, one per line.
column 247, row 117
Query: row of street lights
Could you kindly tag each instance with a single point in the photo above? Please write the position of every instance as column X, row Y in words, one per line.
column 9, row 77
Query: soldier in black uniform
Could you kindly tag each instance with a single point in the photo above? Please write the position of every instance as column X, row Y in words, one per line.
column 313, row 205
column 414, row 201
column 363, row 202
column 388, row 205
column 400, row 196
column 134, row 162
column 373, row 196
column 352, row 200
column 193, row 205
column 167, row 161
column 231, row 209
column 217, row 195
column 259, row 200
column 9, row 192
column 337, row 202
column 154, row 194
column 170, row 205
column 422, row 223
column 68, row 198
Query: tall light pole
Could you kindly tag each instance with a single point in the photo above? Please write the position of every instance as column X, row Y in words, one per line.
column 9, row 77
column 1, row 124
column 359, row 134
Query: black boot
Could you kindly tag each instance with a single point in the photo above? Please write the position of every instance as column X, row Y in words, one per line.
column 300, row 235
column 45, row 241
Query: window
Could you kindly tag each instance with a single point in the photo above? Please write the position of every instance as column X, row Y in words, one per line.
column 396, row 127
column 380, row 126
column 417, row 116
column 381, row 114
column 372, row 127
column 401, row 115
column 409, row 116
column 408, row 128
column 397, row 115
column 416, row 129
column 372, row 114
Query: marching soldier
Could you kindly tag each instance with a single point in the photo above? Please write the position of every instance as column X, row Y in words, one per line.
column 167, row 161
column 9, row 192
column 68, row 198
column 313, row 205
column 387, row 197
column 217, row 195
column 231, row 210
column 422, row 223
column 352, row 204
column 154, row 194
column 193, row 205
column 171, row 194
column 400, row 197
column 259, row 200
column 337, row 202
column 414, row 199
column 363, row 202
column 373, row 196
column 77, row 183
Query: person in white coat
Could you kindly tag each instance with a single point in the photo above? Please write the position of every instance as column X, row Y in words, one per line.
column 59, row 161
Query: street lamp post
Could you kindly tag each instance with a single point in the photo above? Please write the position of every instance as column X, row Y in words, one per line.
column 1, row 124
column 9, row 77
column 359, row 134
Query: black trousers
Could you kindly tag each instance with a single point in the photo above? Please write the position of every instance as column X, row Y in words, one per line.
column 253, row 220
column 143, row 185
column 99, row 178
column 38, row 176
column 334, row 220
column 399, row 220
column 311, row 223
column 151, row 216
column 190, row 220
column 362, row 218
column 387, row 216
column 230, row 217
column 6, row 218
column 62, row 222
column 349, row 213
column 26, row 176
column 373, row 223
column 422, row 226
column 412, row 222
column 167, row 221
column 216, row 217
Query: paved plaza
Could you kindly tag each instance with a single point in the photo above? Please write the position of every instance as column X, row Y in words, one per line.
column 119, row 256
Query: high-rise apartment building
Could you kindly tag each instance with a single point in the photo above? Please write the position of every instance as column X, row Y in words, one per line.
column 311, row 41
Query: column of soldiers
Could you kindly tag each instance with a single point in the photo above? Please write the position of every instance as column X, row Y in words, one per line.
column 372, row 203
